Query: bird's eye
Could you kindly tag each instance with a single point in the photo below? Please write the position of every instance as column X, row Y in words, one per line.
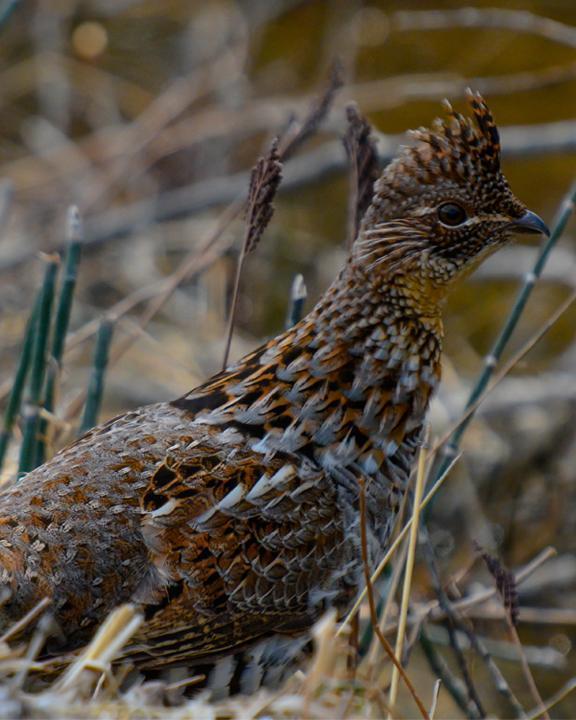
column 451, row 214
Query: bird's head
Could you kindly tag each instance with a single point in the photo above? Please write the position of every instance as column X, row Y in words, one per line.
column 442, row 205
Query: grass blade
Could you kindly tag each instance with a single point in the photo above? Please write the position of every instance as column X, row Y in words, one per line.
column 410, row 560
column 61, row 322
column 96, row 387
column 38, row 367
column 17, row 391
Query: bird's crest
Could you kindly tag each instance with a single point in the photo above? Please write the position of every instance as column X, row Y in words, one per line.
column 456, row 153
column 458, row 146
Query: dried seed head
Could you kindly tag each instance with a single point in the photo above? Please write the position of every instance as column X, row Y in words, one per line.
column 505, row 583
column 264, row 182
column 365, row 165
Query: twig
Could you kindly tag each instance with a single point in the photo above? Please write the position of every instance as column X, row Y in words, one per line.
column 392, row 549
column 452, row 622
column 514, row 360
column 409, row 569
column 15, row 629
column 461, row 605
column 439, row 667
column 538, row 656
column 316, row 115
column 506, row 587
column 472, row 17
column 555, row 699
column 435, row 696
column 390, row 590
column 371, row 602
column 483, row 595
column 529, row 677
column 498, row 679
column 527, row 614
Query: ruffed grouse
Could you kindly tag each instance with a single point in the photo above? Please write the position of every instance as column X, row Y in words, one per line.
column 231, row 514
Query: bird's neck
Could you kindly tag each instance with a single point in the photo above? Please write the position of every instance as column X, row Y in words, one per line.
column 353, row 378
column 358, row 301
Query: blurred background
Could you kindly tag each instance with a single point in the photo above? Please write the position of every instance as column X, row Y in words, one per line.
column 148, row 115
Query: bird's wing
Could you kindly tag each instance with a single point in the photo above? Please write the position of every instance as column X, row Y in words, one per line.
column 242, row 547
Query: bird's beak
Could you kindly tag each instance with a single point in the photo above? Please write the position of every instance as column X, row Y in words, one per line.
column 530, row 223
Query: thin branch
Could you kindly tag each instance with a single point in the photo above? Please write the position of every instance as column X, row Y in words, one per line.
column 409, row 569
column 498, row 678
column 516, row 358
column 453, row 684
column 372, row 603
column 555, row 699
column 483, row 595
column 452, row 622
column 471, row 17
column 507, row 589
column 18, row 627
column 505, row 582
column 298, row 133
column 529, row 677
column 392, row 549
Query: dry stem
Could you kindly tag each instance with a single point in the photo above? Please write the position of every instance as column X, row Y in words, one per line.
column 373, row 613
column 410, row 559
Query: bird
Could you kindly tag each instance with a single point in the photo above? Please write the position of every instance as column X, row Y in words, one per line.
column 230, row 517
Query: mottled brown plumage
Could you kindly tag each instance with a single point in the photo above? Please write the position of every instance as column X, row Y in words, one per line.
column 231, row 515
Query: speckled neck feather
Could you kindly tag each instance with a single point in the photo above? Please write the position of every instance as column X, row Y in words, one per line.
column 341, row 385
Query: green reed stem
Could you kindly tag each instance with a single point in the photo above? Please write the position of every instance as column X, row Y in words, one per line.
column 298, row 295
column 96, row 386
column 38, row 367
column 491, row 360
column 441, row 670
column 6, row 193
column 6, row 9
column 17, row 391
column 61, row 321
